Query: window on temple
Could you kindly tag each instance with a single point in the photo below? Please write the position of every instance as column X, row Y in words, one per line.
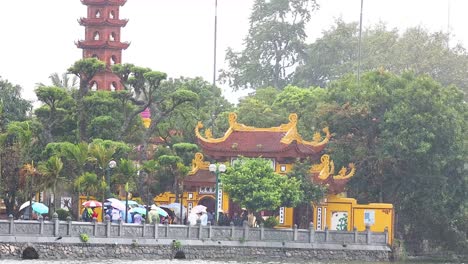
column 96, row 36
column 97, row 14
column 113, row 60
column 112, row 36
column 94, row 86
column 113, row 86
column 112, row 14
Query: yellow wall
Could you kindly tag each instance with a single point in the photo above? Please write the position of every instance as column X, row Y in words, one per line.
column 384, row 218
column 383, row 215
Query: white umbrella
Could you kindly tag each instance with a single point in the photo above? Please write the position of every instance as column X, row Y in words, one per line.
column 176, row 208
column 198, row 209
column 26, row 204
column 117, row 204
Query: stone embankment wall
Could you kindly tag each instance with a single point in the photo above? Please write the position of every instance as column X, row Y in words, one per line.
column 61, row 240
column 54, row 250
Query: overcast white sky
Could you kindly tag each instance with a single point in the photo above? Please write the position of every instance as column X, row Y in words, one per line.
column 176, row 36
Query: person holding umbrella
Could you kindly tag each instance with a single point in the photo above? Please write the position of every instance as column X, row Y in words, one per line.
column 153, row 215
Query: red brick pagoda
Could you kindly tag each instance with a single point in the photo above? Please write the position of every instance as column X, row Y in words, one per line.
column 102, row 40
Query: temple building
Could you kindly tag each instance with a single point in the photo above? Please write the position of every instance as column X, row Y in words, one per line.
column 102, row 40
column 280, row 145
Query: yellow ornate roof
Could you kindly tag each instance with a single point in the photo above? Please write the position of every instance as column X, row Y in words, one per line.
column 289, row 130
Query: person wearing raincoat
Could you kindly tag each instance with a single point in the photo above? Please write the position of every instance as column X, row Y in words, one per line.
column 153, row 215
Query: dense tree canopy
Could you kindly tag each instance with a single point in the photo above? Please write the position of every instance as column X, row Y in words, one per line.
column 13, row 106
column 275, row 40
column 335, row 54
column 253, row 184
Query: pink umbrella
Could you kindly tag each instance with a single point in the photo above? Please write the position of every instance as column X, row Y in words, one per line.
column 91, row 203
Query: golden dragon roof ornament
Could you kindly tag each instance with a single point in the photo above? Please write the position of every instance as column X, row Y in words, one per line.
column 198, row 163
column 326, row 168
column 290, row 130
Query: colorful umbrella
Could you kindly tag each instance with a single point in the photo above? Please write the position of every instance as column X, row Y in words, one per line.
column 92, row 203
column 39, row 208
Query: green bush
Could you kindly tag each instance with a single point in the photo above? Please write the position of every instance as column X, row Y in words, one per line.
column 62, row 214
column 176, row 244
column 84, row 237
column 271, row 222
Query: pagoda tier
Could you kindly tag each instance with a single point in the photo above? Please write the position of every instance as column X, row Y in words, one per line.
column 283, row 142
column 102, row 22
column 104, row 2
column 103, row 40
column 199, row 176
column 102, row 44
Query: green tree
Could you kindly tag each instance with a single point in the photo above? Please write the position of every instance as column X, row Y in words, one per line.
column 50, row 171
column 14, row 108
column 51, row 114
column 149, row 93
column 312, row 193
column 275, row 40
column 209, row 109
column 171, row 173
column 85, row 70
column 253, row 184
column 335, row 54
column 407, row 136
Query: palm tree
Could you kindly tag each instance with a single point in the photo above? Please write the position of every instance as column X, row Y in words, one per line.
column 63, row 81
column 50, row 175
column 88, row 183
column 101, row 155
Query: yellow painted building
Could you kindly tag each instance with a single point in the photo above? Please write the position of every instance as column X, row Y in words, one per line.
column 281, row 145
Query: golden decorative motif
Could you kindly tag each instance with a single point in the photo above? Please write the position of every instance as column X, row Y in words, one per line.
column 325, row 168
column 290, row 130
column 208, row 133
column 198, row 163
column 342, row 173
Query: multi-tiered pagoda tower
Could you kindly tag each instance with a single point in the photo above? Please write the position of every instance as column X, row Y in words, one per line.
column 102, row 40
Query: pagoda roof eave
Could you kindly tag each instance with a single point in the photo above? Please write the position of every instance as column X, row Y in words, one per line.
column 104, row 2
column 292, row 150
column 102, row 22
column 242, row 139
column 102, row 44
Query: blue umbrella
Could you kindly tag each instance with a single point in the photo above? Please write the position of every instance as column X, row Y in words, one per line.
column 139, row 210
column 40, row 208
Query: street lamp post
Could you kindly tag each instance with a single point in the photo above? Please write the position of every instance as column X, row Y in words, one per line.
column 126, row 202
column 217, row 169
column 112, row 164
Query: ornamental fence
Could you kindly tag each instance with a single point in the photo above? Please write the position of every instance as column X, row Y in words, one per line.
column 69, row 228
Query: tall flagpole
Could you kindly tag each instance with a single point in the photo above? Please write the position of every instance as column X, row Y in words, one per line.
column 215, row 38
column 359, row 46
column 215, row 101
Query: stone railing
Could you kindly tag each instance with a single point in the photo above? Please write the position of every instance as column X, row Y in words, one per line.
column 56, row 228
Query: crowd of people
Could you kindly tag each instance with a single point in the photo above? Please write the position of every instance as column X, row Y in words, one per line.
column 205, row 217
column 224, row 219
